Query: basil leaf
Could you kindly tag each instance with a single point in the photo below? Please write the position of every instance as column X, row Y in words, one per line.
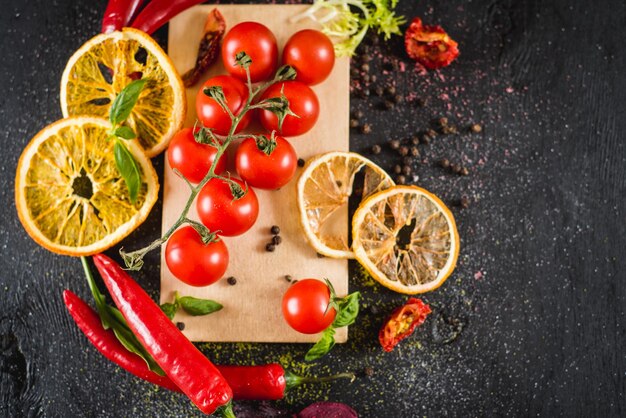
column 127, row 167
column 125, row 101
column 169, row 309
column 124, row 132
column 348, row 310
column 323, row 346
column 197, row 307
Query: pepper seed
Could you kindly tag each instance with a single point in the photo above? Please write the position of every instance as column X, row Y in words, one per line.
column 390, row 90
column 464, row 203
column 394, row 144
column 354, row 123
column 300, row 162
column 276, row 240
column 180, row 325
column 378, row 91
column 401, row 179
column 368, row 371
column 415, row 140
column 231, row 281
column 270, row 247
column 444, row 163
column 406, row 170
column 403, row 150
column 275, row 230
column 415, row 152
column 376, row 149
column 397, row 169
column 455, row 168
column 464, row 171
column 288, row 277
column 476, row 128
column 397, row 99
column 366, row 128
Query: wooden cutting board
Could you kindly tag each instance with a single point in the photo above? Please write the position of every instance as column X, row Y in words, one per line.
column 252, row 308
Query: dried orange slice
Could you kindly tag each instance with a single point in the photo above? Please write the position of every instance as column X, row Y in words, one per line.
column 107, row 63
column 323, row 190
column 406, row 238
column 69, row 194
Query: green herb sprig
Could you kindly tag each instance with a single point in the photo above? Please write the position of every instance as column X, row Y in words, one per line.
column 193, row 306
column 279, row 106
column 120, row 111
column 347, row 309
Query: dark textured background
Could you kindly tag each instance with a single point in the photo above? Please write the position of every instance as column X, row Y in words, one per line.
column 533, row 320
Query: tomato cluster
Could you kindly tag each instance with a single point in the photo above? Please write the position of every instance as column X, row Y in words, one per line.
column 226, row 205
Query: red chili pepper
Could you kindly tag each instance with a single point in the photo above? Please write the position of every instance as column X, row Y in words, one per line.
column 158, row 12
column 118, row 14
column 429, row 45
column 184, row 364
column 108, row 345
column 402, row 322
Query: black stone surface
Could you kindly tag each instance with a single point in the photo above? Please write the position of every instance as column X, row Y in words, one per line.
column 533, row 320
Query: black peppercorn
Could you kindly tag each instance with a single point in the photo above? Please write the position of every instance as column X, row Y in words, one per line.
column 442, row 121
column 406, row 170
column 358, row 114
column 397, row 169
column 301, row 162
column 368, row 371
column 432, row 133
column 180, row 326
column 444, row 163
column 476, row 128
column 354, row 123
column 415, row 152
column 231, row 281
column 288, row 277
column 398, row 99
column 455, row 168
column 365, row 67
column 415, row 140
column 403, row 150
column 390, row 90
column 376, row 149
column 366, row 128
column 464, row 171
column 426, row 139
column 394, row 144
column 407, row 160
column 401, row 179
column 378, row 91
column 270, row 247
column 276, row 240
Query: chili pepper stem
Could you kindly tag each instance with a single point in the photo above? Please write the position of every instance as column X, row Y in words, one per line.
column 226, row 411
column 293, row 380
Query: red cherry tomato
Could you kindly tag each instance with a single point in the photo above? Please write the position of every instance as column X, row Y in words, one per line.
column 222, row 213
column 211, row 113
column 302, row 101
column 259, row 43
column 305, row 306
column 191, row 158
column 264, row 171
column 193, row 262
column 312, row 55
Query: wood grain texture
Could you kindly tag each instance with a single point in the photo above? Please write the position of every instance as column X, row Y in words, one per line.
column 540, row 331
column 252, row 308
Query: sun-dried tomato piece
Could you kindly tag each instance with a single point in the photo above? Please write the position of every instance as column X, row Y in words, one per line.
column 402, row 322
column 429, row 45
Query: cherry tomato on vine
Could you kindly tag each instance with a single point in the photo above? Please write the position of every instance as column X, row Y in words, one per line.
column 259, row 43
column 312, row 54
column 211, row 113
column 302, row 101
column 193, row 262
column 225, row 209
column 264, row 171
column 192, row 158
column 305, row 306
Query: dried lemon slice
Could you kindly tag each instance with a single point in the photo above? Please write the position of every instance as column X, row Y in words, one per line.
column 69, row 194
column 104, row 65
column 406, row 238
column 323, row 190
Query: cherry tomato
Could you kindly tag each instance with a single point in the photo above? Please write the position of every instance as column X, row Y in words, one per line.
column 191, row 158
column 402, row 322
column 305, row 306
column 312, row 55
column 222, row 213
column 211, row 113
column 193, row 262
column 259, row 43
column 302, row 101
column 264, row 171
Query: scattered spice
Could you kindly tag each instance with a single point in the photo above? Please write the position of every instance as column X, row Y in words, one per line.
column 403, row 150
column 390, row 90
column 354, row 123
column 379, row 91
column 415, row 139
column 368, row 371
column 401, row 179
column 464, row 202
column 406, row 170
column 231, row 281
column 464, row 171
column 301, row 162
column 276, row 240
column 288, row 278
column 444, row 163
column 397, row 169
column 320, row 255
column 394, row 144
column 388, row 104
column 275, row 230
column 180, row 326
column 376, row 149
column 270, row 247
column 366, row 128
column 415, row 152
column 476, row 128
